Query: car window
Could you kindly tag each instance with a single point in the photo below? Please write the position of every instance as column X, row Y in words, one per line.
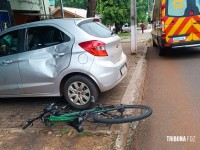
column 9, row 43
column 96, row 29
column 177, row 7
column 198, row 4
column 44, row 36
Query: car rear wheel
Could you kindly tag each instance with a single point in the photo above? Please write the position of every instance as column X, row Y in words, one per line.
column 78, row 91
column 154, row 44
column 162, row 51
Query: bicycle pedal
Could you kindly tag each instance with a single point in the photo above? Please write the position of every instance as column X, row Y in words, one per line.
column 93, row 99
column 77, row 127
column 48, row 124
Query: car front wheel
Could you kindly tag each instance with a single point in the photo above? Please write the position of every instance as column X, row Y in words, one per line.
column 78, row 91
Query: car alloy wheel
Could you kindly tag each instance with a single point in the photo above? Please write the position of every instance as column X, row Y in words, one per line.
column 78, row 90
column 79, row 93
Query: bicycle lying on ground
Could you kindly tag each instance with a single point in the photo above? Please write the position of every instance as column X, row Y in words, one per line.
column 107, row 114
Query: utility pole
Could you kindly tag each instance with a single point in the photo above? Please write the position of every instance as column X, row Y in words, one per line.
column 61, row 6
column 133, row 27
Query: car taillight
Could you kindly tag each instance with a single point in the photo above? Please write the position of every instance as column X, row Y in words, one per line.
column 96, row 20
column 94, row 47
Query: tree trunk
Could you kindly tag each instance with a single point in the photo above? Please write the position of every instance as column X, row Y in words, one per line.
column 91, row 7
column 118, row 28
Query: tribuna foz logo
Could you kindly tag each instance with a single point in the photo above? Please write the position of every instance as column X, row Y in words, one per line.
column 180, row 138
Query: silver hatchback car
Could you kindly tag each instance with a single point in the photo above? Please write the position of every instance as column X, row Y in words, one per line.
column 77, row 58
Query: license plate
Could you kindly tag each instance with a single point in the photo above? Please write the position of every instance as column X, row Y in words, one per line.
column 179, row 38
column 123, row 69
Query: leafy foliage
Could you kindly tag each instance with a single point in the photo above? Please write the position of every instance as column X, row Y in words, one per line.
column 73, row 3
column 142, row 10
column 114, row 11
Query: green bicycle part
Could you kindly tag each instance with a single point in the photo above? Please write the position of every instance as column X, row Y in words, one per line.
column 61, row 118
column 69, row 117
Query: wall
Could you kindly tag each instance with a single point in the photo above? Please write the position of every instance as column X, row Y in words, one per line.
column 30, row 5
column 67, row 15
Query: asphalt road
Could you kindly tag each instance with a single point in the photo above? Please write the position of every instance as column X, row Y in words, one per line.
column 173, row 91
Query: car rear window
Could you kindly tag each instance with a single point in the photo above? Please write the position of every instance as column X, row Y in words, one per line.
column 198, row 4
column 183, row 8
column 176, row 7
column 96, row 29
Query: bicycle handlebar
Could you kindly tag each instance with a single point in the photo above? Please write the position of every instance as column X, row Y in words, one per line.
column 51, row 107
column 29, row 122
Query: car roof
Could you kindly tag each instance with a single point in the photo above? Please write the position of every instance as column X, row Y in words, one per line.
column 50, row 21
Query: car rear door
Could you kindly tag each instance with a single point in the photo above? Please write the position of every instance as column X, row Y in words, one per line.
column 178, row 21
column 47, row 54
column 195, row 8
column 10, row 80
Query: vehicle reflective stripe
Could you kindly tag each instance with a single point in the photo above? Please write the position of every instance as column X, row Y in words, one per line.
column 181, row 29
column 176, row 25
column 170, row 27
column 196, row 26
column 196, row 18
column 186, row 26
column 195, row 37
column 163, row 7
column 169, row 20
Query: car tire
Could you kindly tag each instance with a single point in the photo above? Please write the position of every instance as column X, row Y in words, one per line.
column 154, row 44
column 78, row 90
column 162, row 51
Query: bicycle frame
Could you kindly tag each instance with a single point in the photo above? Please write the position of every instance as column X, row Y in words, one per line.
column 97, row 114
column 70, row 117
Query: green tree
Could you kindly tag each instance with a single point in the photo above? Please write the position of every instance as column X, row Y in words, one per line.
column 142, row 10
column 115, row 12
column 89, row 5
column 73, row 3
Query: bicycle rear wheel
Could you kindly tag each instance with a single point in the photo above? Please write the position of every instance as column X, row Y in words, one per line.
column 123, row 114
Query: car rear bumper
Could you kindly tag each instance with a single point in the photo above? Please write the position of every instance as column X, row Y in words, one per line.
column 106, row 74
column 164, row 44
column 186, row 44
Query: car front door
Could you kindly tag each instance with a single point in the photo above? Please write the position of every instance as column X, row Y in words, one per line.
column 10, row 80
column 178, row 25
column 47, row 53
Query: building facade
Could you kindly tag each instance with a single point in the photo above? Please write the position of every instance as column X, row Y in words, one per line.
column 15, row 12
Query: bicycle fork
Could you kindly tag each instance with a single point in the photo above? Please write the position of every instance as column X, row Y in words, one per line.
column 76, row 124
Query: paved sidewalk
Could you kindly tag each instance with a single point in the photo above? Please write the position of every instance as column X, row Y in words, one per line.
column 140, row 37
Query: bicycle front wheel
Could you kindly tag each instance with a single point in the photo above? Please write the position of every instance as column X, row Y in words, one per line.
column 123, row 114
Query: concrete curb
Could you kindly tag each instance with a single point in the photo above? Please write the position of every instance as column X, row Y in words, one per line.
column 132, row 95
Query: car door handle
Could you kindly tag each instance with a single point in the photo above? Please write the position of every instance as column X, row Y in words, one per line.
column 57, row 55
column 198, row 22
column 6, row 62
